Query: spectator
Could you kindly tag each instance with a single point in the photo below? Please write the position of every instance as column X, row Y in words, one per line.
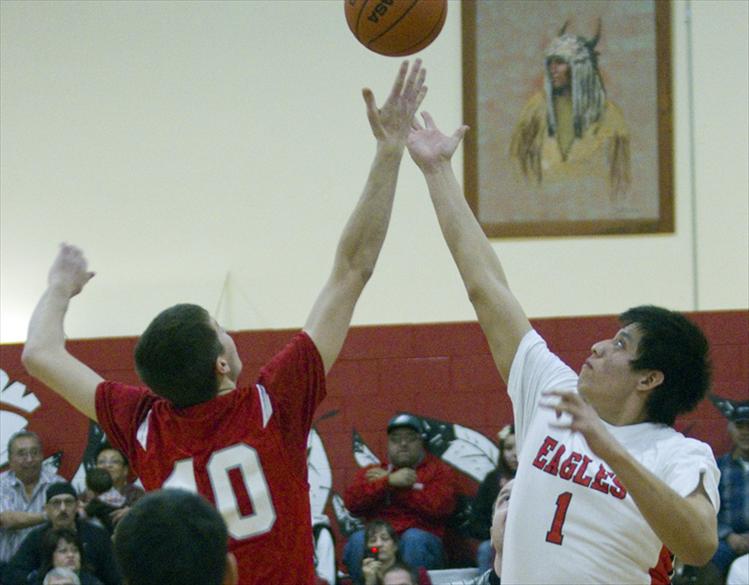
column 733, row 517
column 61, row 509
column 116, row 464
column 61, row 576
column 414, row 492
column 61, row 549
column 22, row 492
column 486, row 496
column 101, row 498
column 174, row 537
column 383, row 553
column 399, row 574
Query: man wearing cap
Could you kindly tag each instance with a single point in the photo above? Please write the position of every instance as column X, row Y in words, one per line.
column 61, row 509
column 22, row 491
column 414, row 491
column 733, row 517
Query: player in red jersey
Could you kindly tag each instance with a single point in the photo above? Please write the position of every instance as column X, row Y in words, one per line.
column 244, row 449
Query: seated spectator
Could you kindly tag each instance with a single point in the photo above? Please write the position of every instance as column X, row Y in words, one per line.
column 61, row 576
column 116, row 464
column 415, row 492
column 101, row 498
column 61, row 548
column 61, row 509
column 382, row 553
column 23, row 489
column 174, row 537
column 399, row 574
column 486, row 496
column 733, row 517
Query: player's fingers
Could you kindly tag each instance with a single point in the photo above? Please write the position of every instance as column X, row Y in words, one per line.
column 428, row 121
column 412, row 77
column 420, row 97
column 460, row 132
column 399, row 80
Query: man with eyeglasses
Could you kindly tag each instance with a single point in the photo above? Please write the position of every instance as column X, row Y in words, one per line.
column 414, row 491
column 23, row 489
column 61, row 509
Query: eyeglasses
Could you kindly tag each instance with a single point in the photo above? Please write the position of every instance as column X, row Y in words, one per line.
column 27, row 453
column 58, row 503
column 110, row 462
column 403, row 438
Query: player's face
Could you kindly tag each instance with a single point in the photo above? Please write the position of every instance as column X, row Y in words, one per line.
column 26, row 459
column 66, row 555
column 499, row 518
column 397, row 577
column 113, row 462
column 230, row 351
column 607, row 377
column 61, row 511
column 405, row 448
column 385, row 544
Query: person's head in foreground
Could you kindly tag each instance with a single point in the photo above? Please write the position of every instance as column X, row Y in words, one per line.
column 655, row 368
column 399, row 574
column 61, row 576
column 174, row 537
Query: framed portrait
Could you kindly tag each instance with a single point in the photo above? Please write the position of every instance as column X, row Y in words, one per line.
column 569, row 104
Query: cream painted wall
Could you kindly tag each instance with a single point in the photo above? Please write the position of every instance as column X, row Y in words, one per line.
column 212, row 152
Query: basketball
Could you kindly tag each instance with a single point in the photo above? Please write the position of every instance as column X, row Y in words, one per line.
column 395, row 27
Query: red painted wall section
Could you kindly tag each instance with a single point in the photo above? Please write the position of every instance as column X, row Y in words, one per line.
column 441, row 371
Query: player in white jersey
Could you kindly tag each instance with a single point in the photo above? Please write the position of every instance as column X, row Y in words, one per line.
column 606, row 491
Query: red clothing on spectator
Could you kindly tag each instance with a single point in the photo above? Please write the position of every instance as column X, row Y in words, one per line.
column 425, row 505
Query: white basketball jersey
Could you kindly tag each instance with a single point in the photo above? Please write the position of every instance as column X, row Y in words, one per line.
column 570, row 519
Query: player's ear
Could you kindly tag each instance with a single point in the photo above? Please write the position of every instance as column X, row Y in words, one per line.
column 231, row 577
column 650, row 380
column 222, row 366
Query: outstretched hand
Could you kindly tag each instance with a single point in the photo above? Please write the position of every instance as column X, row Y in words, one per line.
column 69, row 271
column 584, row 420
column 428, row 146
column 391, row 123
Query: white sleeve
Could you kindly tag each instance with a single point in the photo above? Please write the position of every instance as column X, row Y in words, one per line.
column 687, row 463
column 534, row 369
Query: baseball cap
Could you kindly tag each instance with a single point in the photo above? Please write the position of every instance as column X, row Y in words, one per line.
column 60, row 488
column 406, row 420
column 733, row 410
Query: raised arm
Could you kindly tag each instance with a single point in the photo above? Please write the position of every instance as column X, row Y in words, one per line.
column 44, row 354
column 364, row 233
column 501, row 317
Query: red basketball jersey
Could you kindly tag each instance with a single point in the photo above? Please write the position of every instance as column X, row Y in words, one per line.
column 244, row 451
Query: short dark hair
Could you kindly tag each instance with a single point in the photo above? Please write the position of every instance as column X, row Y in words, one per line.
column 98, row 480
column 171, row 537
column 402, row 566
column 107, row 446
column 48, row 544
column 673, row 345
column 176, row 355
column 374, row 526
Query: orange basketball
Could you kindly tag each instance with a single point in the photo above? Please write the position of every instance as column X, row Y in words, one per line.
column 395, row 27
